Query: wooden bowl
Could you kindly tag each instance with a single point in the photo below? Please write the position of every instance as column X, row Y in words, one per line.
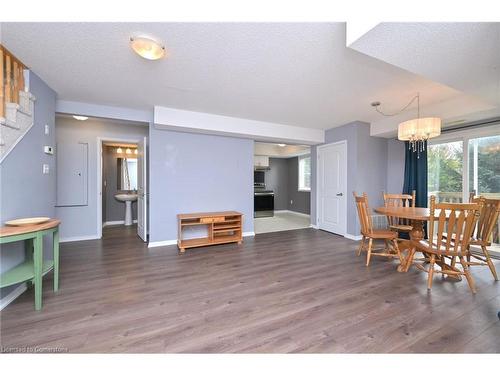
column 27, row 221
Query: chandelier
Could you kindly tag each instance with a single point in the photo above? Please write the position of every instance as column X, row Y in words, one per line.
column 416, row 131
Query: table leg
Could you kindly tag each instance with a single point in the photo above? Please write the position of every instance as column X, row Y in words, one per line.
column 55, row 240
column 28, row 250
column 38, row 265
column 416, row 234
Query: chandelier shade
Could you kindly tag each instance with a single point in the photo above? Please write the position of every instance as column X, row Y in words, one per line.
column 419, row 129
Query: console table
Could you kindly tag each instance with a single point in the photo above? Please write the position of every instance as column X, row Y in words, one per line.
column 222, row 227
column 34, row 267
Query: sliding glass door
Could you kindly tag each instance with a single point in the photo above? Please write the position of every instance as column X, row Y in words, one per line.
column 466, row 162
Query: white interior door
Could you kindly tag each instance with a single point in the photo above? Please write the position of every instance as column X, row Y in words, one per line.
column 142, row 216
column 332, row 186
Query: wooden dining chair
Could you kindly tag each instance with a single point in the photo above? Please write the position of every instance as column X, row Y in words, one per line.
column 399, row 200
column 451, row 243
column 367, row 231
column 487, row 220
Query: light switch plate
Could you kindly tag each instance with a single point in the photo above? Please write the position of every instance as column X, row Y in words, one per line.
column 47, row 129
column 46, row 169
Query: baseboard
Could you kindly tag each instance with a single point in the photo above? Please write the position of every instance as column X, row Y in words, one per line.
column 354, row 238
column 116, row 222
column 174, row 242
column 162, row 243
column 79, row 238
column 314, row 226
column 5, row 301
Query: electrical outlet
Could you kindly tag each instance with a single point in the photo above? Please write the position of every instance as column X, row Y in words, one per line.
column 45, row 169
column 291, row 201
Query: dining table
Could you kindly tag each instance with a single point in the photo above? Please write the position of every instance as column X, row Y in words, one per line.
column 418, row 216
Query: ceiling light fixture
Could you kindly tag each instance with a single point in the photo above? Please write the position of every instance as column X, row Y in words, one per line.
column 281, row 144
column 416, row 131
column 80, row 118
column 147, row 48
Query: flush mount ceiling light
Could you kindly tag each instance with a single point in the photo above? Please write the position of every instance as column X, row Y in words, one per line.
column 416, row 131
column 147, row 47
column 80, row 118
column 281, row 144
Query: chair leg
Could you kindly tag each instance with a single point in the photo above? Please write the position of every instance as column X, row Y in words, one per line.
column 431, row 271
column 490, row 263
column 369, row 252
column 468, row 275
column 361, row 245
column 398, row 252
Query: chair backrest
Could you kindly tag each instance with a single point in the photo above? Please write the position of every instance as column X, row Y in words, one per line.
column 365, row 219
column 453, row 234
column 487, row 218
column 399, row 200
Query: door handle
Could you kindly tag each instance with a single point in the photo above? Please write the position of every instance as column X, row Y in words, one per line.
column 339, row 194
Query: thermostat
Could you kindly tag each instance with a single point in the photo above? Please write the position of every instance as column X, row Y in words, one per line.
column 48, row 150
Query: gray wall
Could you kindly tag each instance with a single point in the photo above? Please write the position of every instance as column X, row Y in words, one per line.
column 277, row 180
column 25, row 191
column 395, row 166
column 113, row 210
column 299, row 201
column 366, row 168
column 194, row 172
column 81, row 221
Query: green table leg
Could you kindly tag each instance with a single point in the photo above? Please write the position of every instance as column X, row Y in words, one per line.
column 38, row 263
column 28, row 250
column 55, row 240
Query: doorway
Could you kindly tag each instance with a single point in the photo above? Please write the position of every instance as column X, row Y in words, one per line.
column 122, row 184
column 332, row 187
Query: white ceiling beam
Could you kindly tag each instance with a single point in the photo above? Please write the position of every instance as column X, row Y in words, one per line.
column 199, row 122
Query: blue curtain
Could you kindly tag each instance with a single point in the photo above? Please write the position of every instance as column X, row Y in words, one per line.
column 416, row 174
column 416, row 178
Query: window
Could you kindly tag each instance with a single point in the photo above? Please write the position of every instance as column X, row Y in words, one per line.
column 445, row 165
column 305, row 173
column 466, row 162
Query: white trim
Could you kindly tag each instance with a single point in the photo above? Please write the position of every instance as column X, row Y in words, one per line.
column 5, row 301
column 318, row 148
column 174, row 242
column 354, row 238
column 116, row 222
column 162, row 243
column 79, row 238
column 314, row 226
column 100, row 140
column 206, row 123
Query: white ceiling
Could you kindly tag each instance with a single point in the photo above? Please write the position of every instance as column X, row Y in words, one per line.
column 290, row 73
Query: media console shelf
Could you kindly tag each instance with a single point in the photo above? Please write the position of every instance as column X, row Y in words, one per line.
column 222, row 227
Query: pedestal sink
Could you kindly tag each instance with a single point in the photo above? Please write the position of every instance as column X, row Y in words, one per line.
column 128, row 198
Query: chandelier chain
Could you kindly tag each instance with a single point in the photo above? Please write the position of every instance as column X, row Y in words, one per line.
column 417, row 97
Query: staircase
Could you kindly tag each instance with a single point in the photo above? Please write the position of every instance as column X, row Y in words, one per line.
column 16, row 102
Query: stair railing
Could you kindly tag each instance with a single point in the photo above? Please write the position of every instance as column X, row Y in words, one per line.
column 11, row 79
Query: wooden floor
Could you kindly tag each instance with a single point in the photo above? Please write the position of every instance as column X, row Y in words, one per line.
column 295, row 291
